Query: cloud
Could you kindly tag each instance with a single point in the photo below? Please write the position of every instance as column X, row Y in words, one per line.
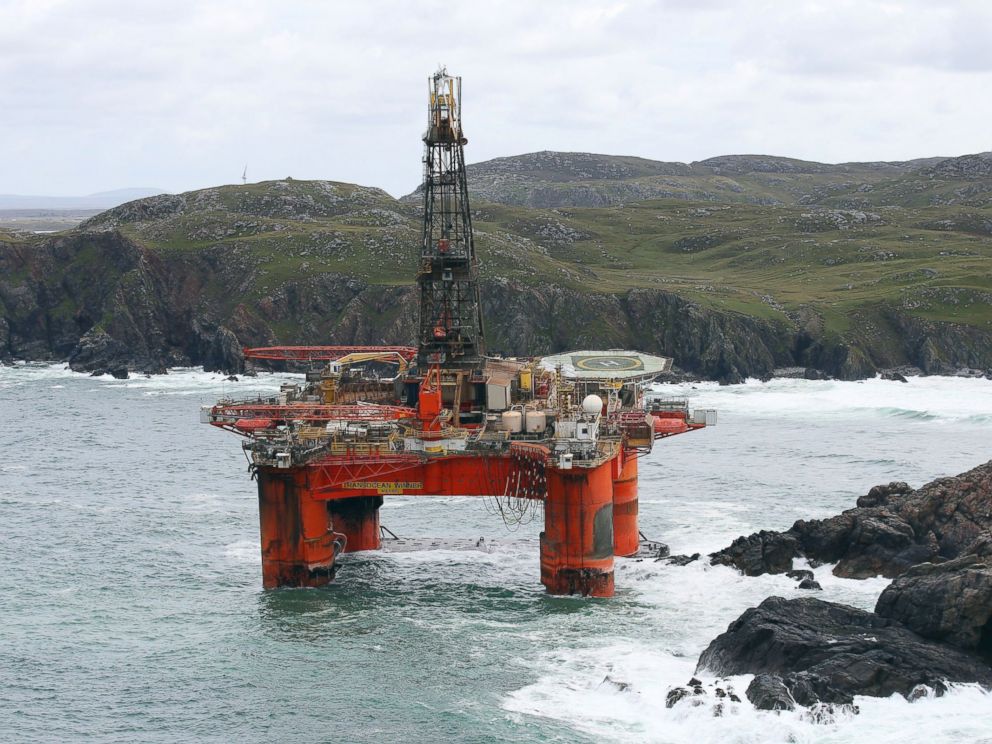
column 108, row 93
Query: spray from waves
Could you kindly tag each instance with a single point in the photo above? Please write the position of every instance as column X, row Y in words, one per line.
column 243, row 551
column 595, row 704
column 178, row 381
column 613, row 685
column 906, row 413
column 923, row 399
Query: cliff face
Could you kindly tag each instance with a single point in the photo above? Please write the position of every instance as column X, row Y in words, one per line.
column 103, row 302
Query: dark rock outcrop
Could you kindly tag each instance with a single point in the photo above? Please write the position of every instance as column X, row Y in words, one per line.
column 97, row 352
column 892, row 528
column 825, row 652
column 760, row 553
column 949, row 602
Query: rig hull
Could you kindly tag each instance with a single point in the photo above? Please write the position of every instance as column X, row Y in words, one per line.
column 310, row 515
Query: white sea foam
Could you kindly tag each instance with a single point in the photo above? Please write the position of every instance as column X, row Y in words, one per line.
column 690, row 606
column 244, row 551
column 178, row 381
column 922, row 398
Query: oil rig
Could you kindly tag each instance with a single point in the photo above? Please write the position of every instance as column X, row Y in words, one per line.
column 562, row 433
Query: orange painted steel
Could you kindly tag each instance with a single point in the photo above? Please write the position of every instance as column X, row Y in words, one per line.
column 333, row 478
column 299, row 546
column 670, row 423
column 577, row 542
column 358, row 520
column 626, row 536
column 321, row 353
column 429, row 400
column 310, row 514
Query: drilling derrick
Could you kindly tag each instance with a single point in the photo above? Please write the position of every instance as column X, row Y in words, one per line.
column 451, row 332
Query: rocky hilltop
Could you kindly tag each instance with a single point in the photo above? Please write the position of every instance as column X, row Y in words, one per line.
column 574, row 179
column 735, row 266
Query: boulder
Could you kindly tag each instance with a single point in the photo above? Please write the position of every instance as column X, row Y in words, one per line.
column 949, row 602
column 760, row 553
column 882, row 495
column 768, row 692
column 825, row 652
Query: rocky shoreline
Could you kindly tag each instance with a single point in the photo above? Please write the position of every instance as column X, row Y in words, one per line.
column 931, row 627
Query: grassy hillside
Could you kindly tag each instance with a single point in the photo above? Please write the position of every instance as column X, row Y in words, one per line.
column 768, row 261
column 560, row 179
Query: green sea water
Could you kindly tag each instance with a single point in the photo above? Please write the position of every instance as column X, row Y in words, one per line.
column 131, row 606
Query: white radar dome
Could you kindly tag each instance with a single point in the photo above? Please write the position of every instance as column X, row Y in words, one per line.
column 592, row 404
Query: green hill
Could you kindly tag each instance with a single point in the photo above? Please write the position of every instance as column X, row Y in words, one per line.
column 734, row 265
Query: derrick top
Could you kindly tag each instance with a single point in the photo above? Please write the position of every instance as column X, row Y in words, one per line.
column 444, row 123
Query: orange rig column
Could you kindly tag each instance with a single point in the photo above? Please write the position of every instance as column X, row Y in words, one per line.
column 626, row 536
column 577, row 542
column 358, row 519
column 298, row 544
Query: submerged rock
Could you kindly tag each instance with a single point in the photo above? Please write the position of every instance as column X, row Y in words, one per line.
column 825, row 652
column 697, row 693
column 892, row 528
column 681, row 560
column 616, row 684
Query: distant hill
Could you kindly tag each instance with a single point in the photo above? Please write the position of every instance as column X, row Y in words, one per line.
column 99, row 200
column 576, row 179
column 735, row 266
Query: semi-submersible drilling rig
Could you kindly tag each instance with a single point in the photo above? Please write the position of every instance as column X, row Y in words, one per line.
column 563, row 431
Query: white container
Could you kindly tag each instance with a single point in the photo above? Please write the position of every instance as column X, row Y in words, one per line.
column 536, row 422
column 513, row 421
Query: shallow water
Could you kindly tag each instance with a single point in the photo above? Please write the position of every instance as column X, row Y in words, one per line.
column 131, row 609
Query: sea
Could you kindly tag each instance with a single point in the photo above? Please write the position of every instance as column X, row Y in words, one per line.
column 131, row 607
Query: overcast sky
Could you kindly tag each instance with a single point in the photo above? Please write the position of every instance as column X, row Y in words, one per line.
column 177, row 94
